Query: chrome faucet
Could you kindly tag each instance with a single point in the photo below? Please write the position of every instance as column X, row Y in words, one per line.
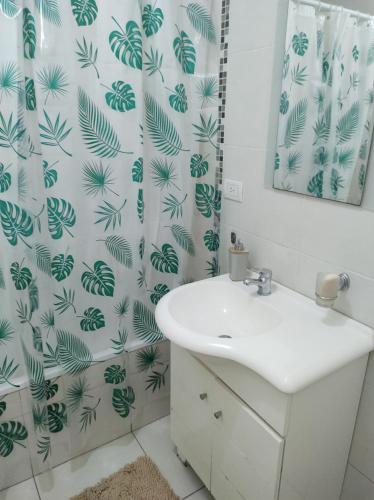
column 263, row 282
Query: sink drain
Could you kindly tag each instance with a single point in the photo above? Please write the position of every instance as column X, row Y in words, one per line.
column 224, row 337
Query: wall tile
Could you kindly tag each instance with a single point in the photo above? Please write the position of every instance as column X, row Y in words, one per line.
column 248, row 97
column 357, row 486
column 252, row 24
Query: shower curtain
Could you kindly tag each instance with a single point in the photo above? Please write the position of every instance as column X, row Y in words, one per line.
column 327, row 104
column 108, row 200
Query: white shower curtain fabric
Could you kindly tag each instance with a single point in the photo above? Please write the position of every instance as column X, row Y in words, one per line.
column 108, row 197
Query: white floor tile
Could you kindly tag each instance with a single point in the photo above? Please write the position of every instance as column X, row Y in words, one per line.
column 25, row 490
column 202, row 494
column 70, row 478
column 156, row 442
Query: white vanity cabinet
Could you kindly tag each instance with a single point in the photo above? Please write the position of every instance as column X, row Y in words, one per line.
column 248, row 441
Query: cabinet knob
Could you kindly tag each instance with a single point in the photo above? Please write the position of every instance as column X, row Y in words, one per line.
column 217, row 414
column 203, row 396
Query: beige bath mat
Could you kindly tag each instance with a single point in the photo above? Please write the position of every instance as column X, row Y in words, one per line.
column 140, row 480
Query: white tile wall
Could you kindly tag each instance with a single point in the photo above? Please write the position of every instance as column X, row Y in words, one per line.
column 295, row 236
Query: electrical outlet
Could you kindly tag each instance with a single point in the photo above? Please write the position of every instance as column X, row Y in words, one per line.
column 233, row 190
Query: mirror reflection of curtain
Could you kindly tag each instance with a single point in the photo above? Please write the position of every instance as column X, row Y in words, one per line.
column 327, row 104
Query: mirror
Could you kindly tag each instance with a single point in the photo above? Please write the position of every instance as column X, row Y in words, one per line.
column 326, row 107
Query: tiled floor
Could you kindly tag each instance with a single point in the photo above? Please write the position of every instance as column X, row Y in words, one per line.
column 72, row 477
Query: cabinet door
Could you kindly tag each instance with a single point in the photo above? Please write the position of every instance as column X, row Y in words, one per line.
column 246, row 452
column 191, row 422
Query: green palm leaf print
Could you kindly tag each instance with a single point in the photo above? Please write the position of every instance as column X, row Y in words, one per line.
column 163, row 173
column 207, row 199
column 144, row 323
column 74, row 355
column 152, row 19
column 174, row 206
column 315, row 185
column 11, row 133
column 153, row 63
column 178, row 98
column 30, row 94
column 158, row 292
column 62, row 266
column 300, row 43
column 99, row 280
column 53, row 81
column 61, row 217
column 165, row 260
column 122, row 401
column 296, row 123
column 140, row 206
column 92, row 320
column 84, row 11
column 49, row 10
column 7, row 370
column 87, row 55
column 147, row 358
column 97, row 179
column 109, row 214
column 29, row 34
column 8, row 7
column 137, row 170
column 53, row 134
column 16, row 223
column 161, row 129
column 41, row 257
column 10, row 80
column 65, row 301
column 57, row 417
column 120, row 97
column 183, row 238
column 211, row 240
column 185, row 52
column 97, row 133
column 11, row 433
column 207, row 91
column 6, row 331
column 5, row 178
column 202, row 21
column 114, row 374
column 120, row 249
column 348, row 124
column 126, row 44
column 49, row 174
column 39, row 386
column 21, row 276
column 198, row 165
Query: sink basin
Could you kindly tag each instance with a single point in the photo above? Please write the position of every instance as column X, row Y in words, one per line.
column 285, row 337
column 219, row 309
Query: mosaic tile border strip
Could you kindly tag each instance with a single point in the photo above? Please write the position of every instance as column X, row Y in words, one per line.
column 225, row 26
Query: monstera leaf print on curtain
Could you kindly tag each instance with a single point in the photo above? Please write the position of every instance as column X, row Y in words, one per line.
column 327, row 104
column 108, row 196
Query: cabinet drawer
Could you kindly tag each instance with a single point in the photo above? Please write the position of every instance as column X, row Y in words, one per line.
column 191, row 421
column 246, row 452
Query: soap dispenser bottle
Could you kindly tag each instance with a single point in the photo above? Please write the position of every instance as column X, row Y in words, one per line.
column 238, row 259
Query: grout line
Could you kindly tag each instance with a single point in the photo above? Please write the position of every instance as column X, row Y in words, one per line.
column 139, row 443
column 36, row 487
column 360, row 472
column 190, row 495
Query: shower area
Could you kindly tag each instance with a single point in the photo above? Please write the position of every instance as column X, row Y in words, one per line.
column 111, row 141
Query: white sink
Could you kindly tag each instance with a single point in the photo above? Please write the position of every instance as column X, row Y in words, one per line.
column 285, row 337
